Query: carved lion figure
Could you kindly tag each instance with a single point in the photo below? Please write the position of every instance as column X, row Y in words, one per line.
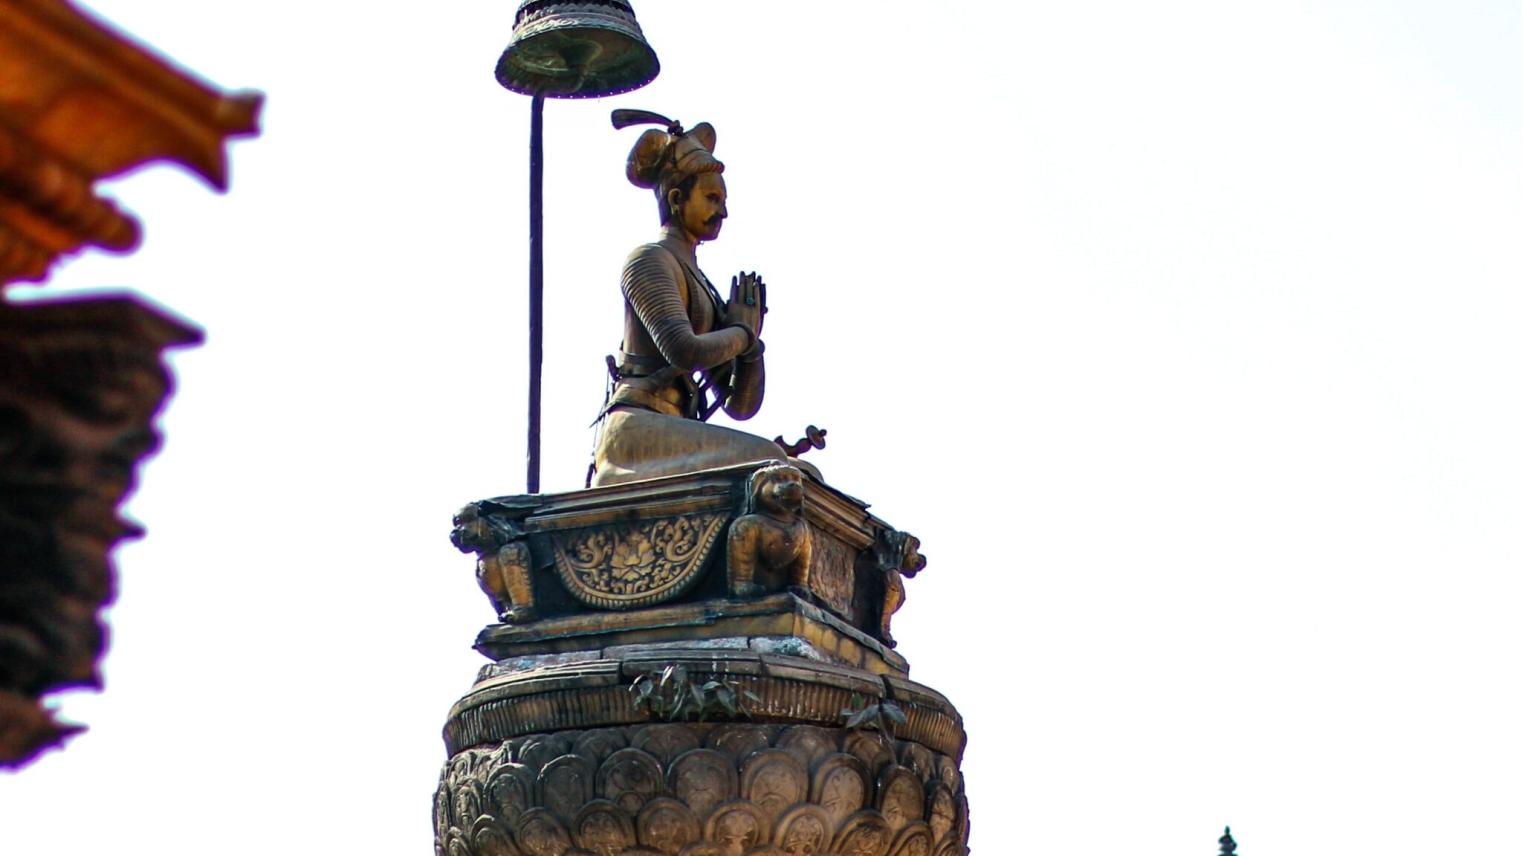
column 898, row 556
column 769, row 547
column 503, row 564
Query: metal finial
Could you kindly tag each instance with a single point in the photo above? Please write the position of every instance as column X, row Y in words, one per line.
column 1228, row 844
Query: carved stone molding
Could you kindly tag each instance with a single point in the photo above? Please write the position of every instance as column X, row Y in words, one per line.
column 770, row 624
column 596, row 693
column 692, row 789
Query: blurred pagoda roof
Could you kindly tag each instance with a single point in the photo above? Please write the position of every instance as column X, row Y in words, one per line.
column 81, row 379
column 80, row 101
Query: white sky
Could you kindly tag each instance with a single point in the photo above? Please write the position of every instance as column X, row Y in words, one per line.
column 1183, row 334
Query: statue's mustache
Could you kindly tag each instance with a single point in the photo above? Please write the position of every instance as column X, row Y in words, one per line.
column 714, row 220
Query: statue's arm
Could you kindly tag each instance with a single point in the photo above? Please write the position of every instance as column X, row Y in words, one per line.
column 652, row 284
column 747, row 388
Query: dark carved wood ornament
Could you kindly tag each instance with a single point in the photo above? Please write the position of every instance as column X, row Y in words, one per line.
column 81, row 380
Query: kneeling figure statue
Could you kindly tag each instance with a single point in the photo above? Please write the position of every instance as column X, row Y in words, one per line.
column 687, row 352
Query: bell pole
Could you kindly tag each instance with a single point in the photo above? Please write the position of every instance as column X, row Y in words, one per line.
column 563, row 50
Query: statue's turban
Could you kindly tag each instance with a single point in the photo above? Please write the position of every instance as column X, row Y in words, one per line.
column 665, row 159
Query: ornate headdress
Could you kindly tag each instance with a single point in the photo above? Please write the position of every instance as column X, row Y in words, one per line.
column 663, row 159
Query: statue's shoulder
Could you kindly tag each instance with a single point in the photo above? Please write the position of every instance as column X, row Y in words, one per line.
column 650, row 266
column 655, row 252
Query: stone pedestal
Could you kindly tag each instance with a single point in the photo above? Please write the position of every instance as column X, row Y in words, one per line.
column 634, row 706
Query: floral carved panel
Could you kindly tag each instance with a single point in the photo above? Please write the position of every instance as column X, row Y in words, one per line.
column 635, row 564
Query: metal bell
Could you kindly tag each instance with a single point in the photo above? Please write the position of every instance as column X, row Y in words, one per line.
column 576, row 50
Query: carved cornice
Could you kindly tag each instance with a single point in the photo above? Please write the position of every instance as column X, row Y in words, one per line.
column 779, row 615
column 80, row 383
column 80, row 102
column 596, row 694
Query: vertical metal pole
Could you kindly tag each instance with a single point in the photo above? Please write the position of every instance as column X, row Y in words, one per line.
column 535, row 282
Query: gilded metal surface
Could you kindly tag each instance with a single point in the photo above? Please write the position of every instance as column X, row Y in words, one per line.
column 642, row 563
column 743, row 790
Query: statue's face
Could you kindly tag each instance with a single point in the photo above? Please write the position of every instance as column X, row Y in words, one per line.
column 702, row 212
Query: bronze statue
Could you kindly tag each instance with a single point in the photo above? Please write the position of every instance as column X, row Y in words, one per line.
column 687, row 352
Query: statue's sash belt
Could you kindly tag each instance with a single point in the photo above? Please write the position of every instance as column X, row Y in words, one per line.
column 628, row 396
column 639, row 365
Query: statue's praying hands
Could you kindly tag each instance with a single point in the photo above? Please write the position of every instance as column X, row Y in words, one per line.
column 747, row 303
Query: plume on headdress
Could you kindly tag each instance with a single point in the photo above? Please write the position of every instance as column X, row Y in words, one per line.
column 667, row 157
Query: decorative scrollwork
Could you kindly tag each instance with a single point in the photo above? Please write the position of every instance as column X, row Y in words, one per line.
column 629, row 565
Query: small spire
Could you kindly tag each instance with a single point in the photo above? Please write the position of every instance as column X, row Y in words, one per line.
column 1228, row 844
